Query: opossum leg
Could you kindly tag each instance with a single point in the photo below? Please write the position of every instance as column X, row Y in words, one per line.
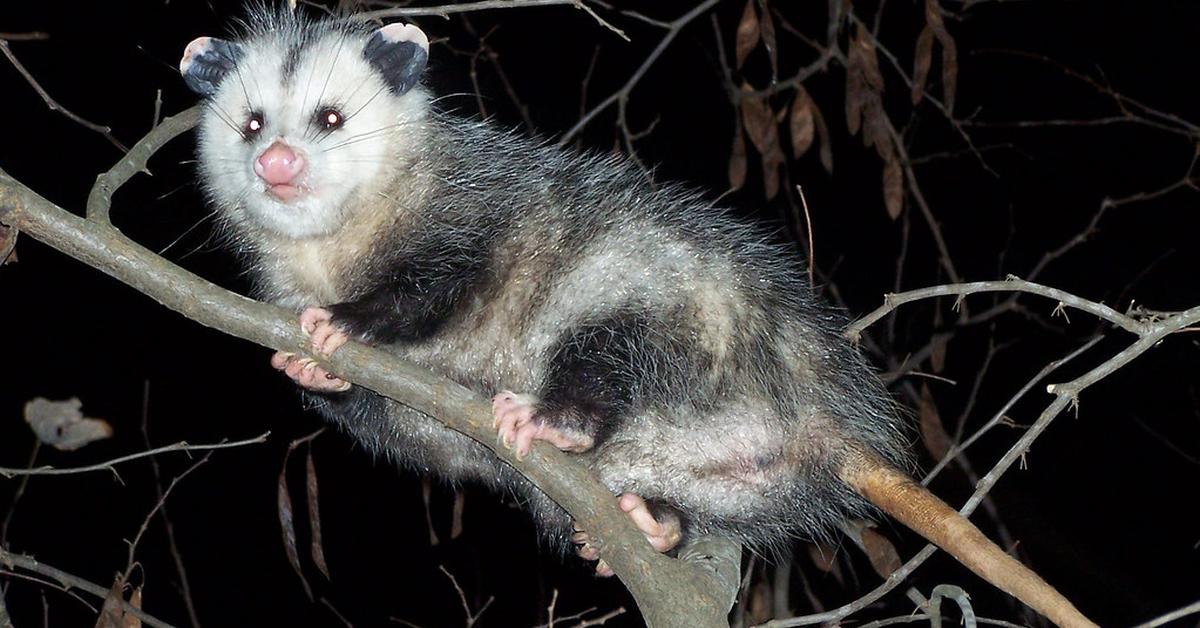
column 517, row 426
column 430, row 282
column 663, row 530
column 325, row 338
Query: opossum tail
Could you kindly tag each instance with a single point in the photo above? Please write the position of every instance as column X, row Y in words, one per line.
column 913, row 505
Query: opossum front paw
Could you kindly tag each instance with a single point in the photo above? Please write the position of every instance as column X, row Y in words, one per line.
column 662, row 532
column 517, row 425
column 307, row 373
column 326, row 337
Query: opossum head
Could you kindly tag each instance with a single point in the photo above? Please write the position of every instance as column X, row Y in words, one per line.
column 304, row 118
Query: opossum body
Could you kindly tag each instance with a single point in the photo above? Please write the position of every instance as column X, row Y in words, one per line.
column 672, row 347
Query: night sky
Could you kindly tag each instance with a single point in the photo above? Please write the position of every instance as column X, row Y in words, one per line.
column 1103, row 506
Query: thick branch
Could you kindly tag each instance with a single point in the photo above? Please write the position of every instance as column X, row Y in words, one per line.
column 668, row 592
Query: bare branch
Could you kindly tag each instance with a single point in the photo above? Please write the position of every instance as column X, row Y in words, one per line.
column 621, row 96
column 110, row 464
column 50, row 102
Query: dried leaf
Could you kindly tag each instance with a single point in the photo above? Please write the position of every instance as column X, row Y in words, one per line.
column 856, row 95
column 289, row 528
column 949, row 72
column 826, row 152
column 825, row 559
column 922, row 59
column 893, row 186
column 864, row 82
column 758, row 607
column 112, row 612
column 135, row 600
column 937, row 355
column 800, row 123
column 875, row 129
column 870, row 59
column 61, row 425
column 935, row 23
column 768, row 39
column 772, row 161
column 314, row 514
column 763, row 130
column 456, row 517
column 737, row 157
column 748, row 33
column 759, row 121
column 933, row 433
column 427, row 499
column 880, row 551
column 8, row 245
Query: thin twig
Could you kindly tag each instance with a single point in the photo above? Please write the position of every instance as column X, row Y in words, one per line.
column 108, row 465
column 621, row 96
column 53, row 104
column 176, row 556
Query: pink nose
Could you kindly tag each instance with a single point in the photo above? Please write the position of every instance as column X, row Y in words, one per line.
column 279, row 164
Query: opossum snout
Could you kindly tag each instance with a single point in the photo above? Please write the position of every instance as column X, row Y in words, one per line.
column 280, row 167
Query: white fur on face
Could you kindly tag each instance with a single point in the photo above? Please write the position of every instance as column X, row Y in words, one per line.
column 355, row 161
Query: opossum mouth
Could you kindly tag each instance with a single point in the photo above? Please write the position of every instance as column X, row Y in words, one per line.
column 284, row 192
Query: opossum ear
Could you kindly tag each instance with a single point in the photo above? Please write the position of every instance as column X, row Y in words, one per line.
column 399, row 52
column 206, row 61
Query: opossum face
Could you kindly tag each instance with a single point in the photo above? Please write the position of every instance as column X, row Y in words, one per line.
column 297, row 127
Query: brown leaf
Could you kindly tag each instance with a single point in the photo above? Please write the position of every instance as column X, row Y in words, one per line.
column 759, row 121
column 823, row 558
column 8, row 245
column 314, row 514
column 870, row 59
column 748, row 33
column 135, row 600
column 875, row 129
column 62, row 425
column 937, row 355
column 826, row 152
column 935, row 23
column 949, row 72
column 933, row 433
column 288, row 528
column 737, row 157
column 112, row 612
column 893, row 186
column 922, row 59
column 758, row 607
column 864, row 82
column 427, row 499
column 768, row 39
column 880, row 551
column 456, row 517
column 763, row 130
column 771, row 163
column 800, row 123
column 856, row 95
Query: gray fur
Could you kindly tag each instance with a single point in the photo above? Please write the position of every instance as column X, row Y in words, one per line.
column 750, row 399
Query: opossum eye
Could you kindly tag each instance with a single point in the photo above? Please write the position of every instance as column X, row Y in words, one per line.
column 330, row 119
column 254, row 125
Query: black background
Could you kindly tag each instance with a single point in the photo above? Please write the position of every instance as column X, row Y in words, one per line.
column 1104, row 509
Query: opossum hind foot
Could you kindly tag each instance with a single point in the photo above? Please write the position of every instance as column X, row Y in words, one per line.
column 663, row 531
column 517, row 426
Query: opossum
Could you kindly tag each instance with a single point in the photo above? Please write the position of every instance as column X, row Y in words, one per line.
column 675, row 349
